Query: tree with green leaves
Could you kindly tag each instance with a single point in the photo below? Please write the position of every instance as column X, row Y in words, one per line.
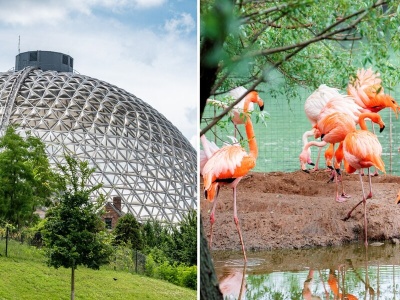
column 246, row 43
column 153, row 234
column 26, row 179
column 182, row 246
column 74, row 233
column 128, row 232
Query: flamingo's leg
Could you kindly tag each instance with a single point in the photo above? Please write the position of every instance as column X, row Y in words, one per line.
column 343, row 195
column 376, row 171
column 317, row 161
column 370, row 185
column 348, row 216
column 365, row 212
column 364, row 201
column 235, row 218
column 212, row 216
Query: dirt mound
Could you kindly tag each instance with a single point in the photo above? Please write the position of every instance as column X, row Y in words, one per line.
column 298, row 210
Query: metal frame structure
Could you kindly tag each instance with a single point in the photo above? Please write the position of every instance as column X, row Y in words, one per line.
column 138, row 154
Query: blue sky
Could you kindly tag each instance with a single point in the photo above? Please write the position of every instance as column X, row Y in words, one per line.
column 147, row 47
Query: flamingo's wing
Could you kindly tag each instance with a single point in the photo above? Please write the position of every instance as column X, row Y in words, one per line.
column 317, row 100
column 362, row 149
column 367, row 84
column 223, row 163
column 212, row 147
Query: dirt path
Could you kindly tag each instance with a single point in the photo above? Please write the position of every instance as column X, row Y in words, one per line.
column 297, row 210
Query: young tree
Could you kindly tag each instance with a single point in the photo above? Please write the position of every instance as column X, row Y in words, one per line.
column 74, row 232
column 153, row 234
column 26, row 179
column 184, row 240
column 128, row 232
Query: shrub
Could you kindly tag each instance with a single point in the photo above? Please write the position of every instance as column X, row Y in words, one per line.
column 188, row 277
column 168, row 272
column 150, row 266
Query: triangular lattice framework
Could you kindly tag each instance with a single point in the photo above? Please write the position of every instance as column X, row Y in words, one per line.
column 138, row 154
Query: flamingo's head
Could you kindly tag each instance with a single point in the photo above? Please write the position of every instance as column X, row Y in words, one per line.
column 398, row 198
column 390, row 102
column 305, row 159
column 211, row 192
column 379, row 101
column 255, row 98
column 335, row 127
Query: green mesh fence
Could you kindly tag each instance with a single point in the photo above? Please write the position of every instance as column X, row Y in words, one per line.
column 280, row 140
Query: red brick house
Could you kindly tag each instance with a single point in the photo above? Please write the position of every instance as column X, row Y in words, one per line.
column 113, row 212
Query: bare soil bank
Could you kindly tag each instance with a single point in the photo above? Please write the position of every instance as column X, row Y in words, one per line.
column 298, row 210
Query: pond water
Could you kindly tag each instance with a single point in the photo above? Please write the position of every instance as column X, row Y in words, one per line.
column 349, row 272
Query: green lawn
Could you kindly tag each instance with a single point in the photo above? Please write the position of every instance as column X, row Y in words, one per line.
column 24, row 275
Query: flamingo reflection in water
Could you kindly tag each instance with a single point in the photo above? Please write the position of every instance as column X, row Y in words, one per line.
column 307, row 294
column 232, row 283
column 335, row 286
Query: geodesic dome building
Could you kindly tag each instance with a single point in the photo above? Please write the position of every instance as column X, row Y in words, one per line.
column 138, row 154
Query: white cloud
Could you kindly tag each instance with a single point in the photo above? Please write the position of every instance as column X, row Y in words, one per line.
column 148, row 3
column 183, row 24
column 194, row 140
column 160, row 69
column 28, row 12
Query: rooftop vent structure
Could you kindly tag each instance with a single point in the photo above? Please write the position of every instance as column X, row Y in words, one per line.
column 44, row 60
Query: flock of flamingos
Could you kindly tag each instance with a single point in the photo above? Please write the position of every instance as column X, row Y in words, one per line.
column 334, row 119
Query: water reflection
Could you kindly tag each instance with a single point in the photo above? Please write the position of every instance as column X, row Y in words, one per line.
column 232, row 282
column 351, row 272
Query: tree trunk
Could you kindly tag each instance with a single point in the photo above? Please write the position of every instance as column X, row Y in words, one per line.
column 6, row 240
column 73, row 281
column 209, row 288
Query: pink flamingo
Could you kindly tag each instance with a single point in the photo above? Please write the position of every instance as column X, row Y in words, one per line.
column 312, row 107
column 362, row 150
column 334, row 129
column 227, row 166
column 236, row 113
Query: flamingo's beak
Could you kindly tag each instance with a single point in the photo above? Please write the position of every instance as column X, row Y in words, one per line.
column 398, row 198
column 262, row 107
column 303, row 162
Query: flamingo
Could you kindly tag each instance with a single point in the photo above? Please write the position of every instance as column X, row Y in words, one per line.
column 228, row 165
column 312, row 107
column 209, row 148
column 236, row 113
column 398, row 198
column 362, row 149
column 344, row 104
column 367, row 91
column 366, row 88
column 337, row 103
column 334, row 128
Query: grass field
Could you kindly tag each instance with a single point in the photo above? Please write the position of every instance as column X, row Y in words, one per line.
column 24, row 275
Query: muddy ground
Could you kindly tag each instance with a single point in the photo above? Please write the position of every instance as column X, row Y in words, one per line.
column 298, row 210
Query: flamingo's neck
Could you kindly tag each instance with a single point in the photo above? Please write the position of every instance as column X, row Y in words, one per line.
column 314, row 143
column 375, row 117
column 252, row 138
